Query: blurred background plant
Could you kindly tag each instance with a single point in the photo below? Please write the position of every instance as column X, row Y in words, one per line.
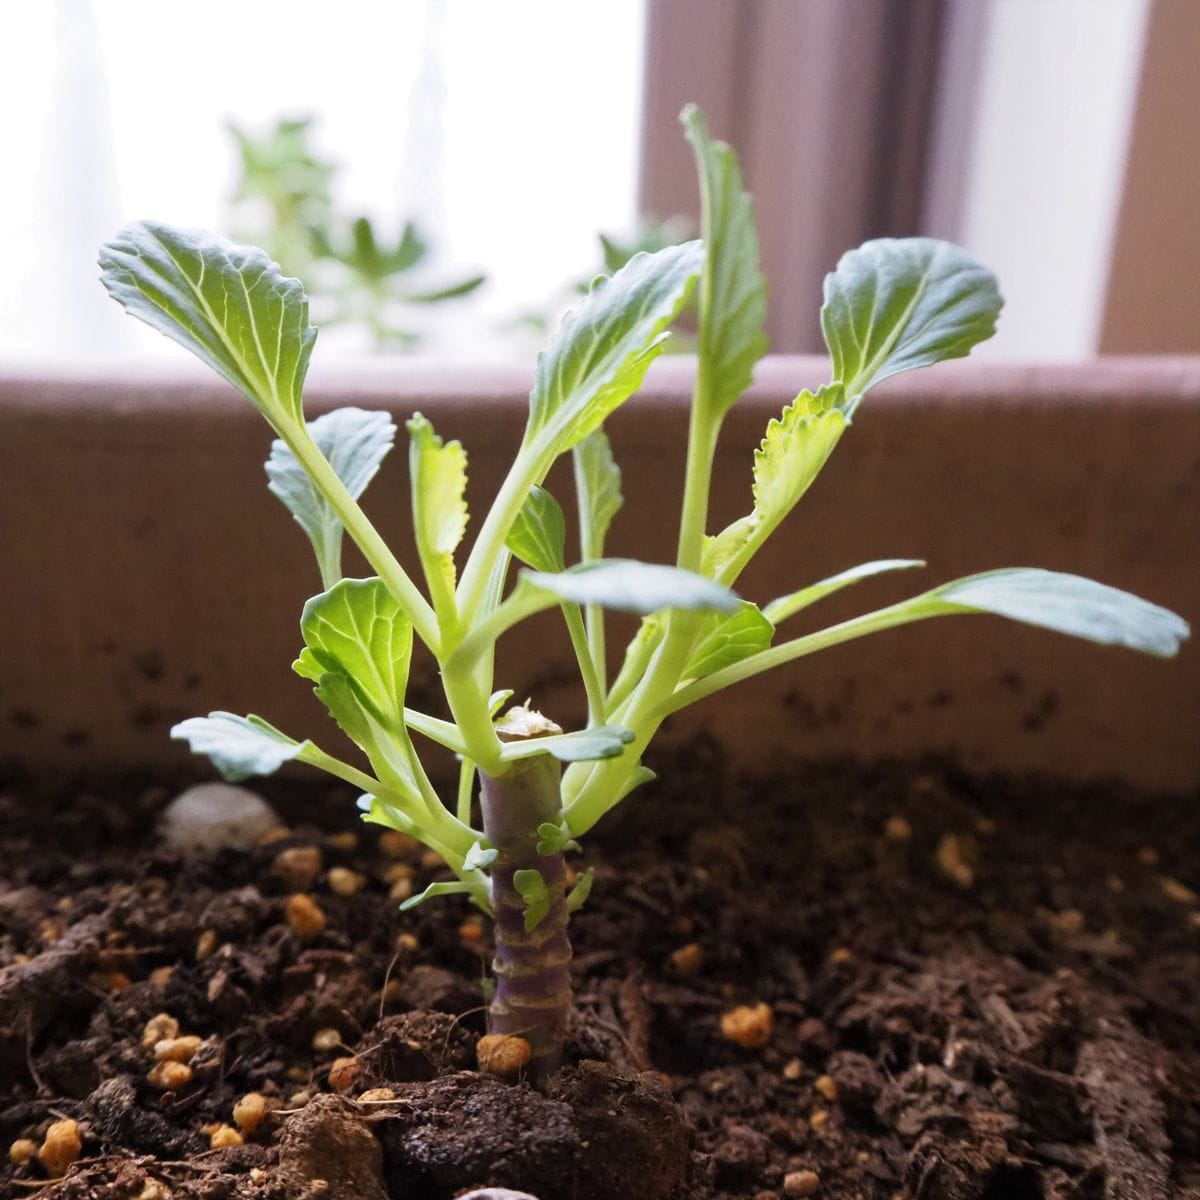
column 284, row 202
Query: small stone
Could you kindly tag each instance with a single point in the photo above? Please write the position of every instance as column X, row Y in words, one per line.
column 345, row 842
column 224, row 1136
column 502, row 1054
column 471, row 931
column 818, row 1119
column 249, row 1111
column 161, row 976
column 154, row 1189
column 951, row 857
column 304, row 915
column 206, row 945
column 431, row 860
column 210, row 815
column 793, row 1069
column 342, row 1073
column 377, row 1095
column 401, row 890
column 748, row 1026
column 1174, row 890
column 178, row 1049
column 298, row 867
column 1147, row 856
column 325, row 1040
column 345, row 882
column 110, row 981
column 841, row 955
column 801, row 1183
column 299, row 1099
column 277, row 833
column 160, row 1026
column 897, row 829
column 60, row 1147
column 687, row 960
column 21, row 1151
column 826, row 1086
column 1069, row 921
column 170, row 1075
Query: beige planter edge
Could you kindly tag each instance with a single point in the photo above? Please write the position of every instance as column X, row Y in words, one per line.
column 148, row 575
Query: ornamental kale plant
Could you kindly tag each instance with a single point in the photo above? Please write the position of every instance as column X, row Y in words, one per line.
column 890, row 306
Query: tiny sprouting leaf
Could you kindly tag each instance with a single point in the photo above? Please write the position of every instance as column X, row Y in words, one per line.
column 603, row 348
column 787, row 606
column 531, row 887
column 584, row 745
column 355, row 442
column 598, row 489
column 636, row 587
column 478, row 859
column 448, row 887
column 439, row 487
column 577, row 896
column 1067, row 604
column 899, row 303
column 727, row 640
column 552, row 839
column 497, row 700
column 357, row 630
column 229, row 305
column 733, row 293
column 538, row 536
column 238, row 746
column 795, row 448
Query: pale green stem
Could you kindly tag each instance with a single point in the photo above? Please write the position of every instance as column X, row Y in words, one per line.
column 587, row 666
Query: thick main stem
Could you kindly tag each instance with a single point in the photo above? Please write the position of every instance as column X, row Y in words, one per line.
column 532, row 967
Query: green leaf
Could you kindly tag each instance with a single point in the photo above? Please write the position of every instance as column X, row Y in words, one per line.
column 896, row 304
column 603, row 348
column 1067, row 604
column 439, row 487
column 477, row 858
column 787, row 606
column 344, row 703
column 636, row 587
column 577, row 896
column 584, row 745
column 733, row 293
column 539, row 534
column 357, row 630
column 730, row 639
column 229, row 305
column 497, row 700
column 552, row 839
column 449, row 887
column 238, row 746
column 796, row 446
column 598, row 489
column 531, row 887
column 355, row 442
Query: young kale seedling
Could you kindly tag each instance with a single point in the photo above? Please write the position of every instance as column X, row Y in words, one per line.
column 890, row 306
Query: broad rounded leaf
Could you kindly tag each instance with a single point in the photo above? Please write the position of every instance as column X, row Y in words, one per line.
column 355, row 442
column 358, row 631
column 238, row 746
column 899, row 303
column 229, row 305
column 539, row 534
column 1069, row 604
column 603, row 348
column 635, row 587
column 729, row 640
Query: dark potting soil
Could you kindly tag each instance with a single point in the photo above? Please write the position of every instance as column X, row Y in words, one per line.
column 978, row 988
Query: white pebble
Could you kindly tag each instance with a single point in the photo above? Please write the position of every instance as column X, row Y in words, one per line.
column 496, row 1193
column 211, row 815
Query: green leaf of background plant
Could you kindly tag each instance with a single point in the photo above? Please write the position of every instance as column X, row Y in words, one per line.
column 1068, row 604
column 895, row 304
column 635, row 587
column 539, row 534
column 598, row 491
column 439, row 486
column 355, row 442
column 356, row 629
column 238, row 746
column 727, row 640
column 603, row 348
column 229, row 305
column 796, row 446
column 787, row 606
column 733, row 293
